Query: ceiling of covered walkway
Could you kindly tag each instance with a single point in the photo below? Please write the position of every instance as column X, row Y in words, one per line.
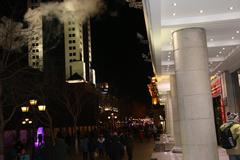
column 220, row 18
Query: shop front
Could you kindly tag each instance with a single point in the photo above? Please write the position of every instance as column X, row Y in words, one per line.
column 218, row 102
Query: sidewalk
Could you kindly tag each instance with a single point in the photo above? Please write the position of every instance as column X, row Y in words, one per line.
column 163, row 150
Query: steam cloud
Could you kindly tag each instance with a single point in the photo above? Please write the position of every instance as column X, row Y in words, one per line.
column 80, row 9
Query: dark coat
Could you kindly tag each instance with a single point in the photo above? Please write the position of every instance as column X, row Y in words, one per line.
column 116, row 150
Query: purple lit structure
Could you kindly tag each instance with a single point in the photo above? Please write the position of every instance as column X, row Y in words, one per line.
column 40, row 137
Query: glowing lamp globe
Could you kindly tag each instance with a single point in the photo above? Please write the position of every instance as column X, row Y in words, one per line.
column 25, row 108
column 33, row 102
column 42, row 107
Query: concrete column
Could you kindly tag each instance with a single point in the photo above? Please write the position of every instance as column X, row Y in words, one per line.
column 176, row 121
column 169, row 115
column 194, row 95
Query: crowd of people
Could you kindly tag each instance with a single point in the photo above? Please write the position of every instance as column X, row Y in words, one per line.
column 109, row 144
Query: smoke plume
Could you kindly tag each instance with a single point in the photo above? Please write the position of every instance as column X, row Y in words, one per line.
column 79, row 9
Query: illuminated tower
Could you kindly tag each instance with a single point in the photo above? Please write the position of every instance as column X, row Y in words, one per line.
column 75, row 50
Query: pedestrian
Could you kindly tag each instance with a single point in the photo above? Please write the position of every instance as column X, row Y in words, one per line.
column 129, row 145
column 92, row 145
column 116, row 150
column 233, row 120
column 61, row 149
column 84, row 147
column 101, row 145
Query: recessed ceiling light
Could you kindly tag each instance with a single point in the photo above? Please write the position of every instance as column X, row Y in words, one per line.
column 174, row 4
column 223, row 48
column 174, row 14
column 231, row 8
column 237, row 32
column 217, row 55
column 169, row 56
column 233, row 37
column 211, row 39
column 201, row 11
column 220, row 52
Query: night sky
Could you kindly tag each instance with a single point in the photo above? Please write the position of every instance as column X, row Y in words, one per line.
column 117, row 52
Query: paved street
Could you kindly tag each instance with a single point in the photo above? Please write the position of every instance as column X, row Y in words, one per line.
column 142, row 151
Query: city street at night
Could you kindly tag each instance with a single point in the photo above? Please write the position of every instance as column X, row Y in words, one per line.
column 119, row 79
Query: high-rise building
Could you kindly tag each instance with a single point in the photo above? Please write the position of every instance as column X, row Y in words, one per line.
column 55, row 44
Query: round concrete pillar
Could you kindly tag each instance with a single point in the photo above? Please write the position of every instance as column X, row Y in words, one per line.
column 194, row 95
column 176, row 124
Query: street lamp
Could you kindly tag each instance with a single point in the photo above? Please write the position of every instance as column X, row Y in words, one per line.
column 27, row 121
column 25, row 108
column 41, row 107
column 33, row 102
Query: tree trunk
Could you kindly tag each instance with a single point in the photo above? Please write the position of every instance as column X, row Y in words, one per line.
column 1, row 125
column 76, row 139
column 51, row 128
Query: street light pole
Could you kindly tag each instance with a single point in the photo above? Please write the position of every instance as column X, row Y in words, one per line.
column 32, row 104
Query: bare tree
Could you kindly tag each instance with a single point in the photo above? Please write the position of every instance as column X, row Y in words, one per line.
column 74, row 98
column 14, row 51
column 11, row 41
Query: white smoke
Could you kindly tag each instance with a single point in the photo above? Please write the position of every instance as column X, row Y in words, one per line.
column 79, row 9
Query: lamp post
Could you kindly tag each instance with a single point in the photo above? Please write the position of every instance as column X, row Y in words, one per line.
column 31, row 107
column 112, row 117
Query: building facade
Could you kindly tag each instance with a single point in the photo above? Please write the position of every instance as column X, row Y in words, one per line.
column 71, row 40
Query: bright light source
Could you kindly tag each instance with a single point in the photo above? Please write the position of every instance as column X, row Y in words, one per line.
column 25, row 108
column 23, row 122
column 231, row 8
column 109, row 117
column 42, row 107
column 26, row 119
column 75, row 81
column 33, row 102
column 174, row 4
column 174, row 14
column 201, row 11
column 30, row 122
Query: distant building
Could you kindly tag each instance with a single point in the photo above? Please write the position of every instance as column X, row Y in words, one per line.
column 53, row 45
column 135, row 4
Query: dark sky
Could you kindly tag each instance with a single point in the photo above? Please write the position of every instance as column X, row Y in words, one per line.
column 117, row 52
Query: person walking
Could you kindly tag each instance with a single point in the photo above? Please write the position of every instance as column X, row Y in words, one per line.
column 84, row 147
column 101, row 145
column 233, row 122
column 61, row 149
column 129, row 145
column 116, row 150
